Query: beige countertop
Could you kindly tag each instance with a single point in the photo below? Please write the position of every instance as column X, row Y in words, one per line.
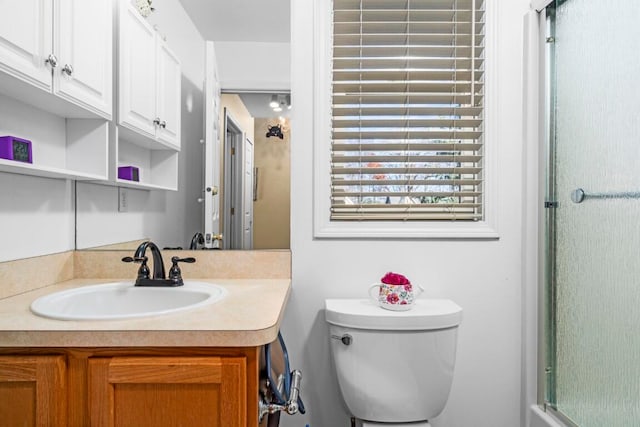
column 248, row 316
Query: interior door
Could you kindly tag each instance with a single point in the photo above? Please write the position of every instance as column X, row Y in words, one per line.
column 233, row 183
column 247, row 195
column 211, row 148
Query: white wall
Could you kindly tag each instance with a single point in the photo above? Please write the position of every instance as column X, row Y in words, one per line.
column 253, row 66
column 484, row 277
column 36, row 216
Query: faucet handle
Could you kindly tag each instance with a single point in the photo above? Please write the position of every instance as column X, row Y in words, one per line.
column 143, row 271
column 175, row 260
column 136, row 259
column 175, row 275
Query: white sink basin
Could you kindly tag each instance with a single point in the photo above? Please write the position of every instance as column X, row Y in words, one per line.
column 123, row 300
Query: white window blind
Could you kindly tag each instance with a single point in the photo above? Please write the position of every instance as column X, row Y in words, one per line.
column 407, row 110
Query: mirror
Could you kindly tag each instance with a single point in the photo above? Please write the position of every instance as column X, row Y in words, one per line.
column 252, row 208
column 120, row 218
column 251, row 66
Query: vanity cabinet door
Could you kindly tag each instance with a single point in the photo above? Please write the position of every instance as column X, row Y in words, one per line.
column 167, row 391
column 26, row 42
column 33, row 391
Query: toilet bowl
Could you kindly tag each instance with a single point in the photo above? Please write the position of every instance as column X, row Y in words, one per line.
column 393, row 367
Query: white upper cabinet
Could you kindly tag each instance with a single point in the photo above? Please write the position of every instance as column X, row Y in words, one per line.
column 83, row 41
column 25, row 40
column 62, row 48
column 149, row 84
column 168, row 95
column 137, row 73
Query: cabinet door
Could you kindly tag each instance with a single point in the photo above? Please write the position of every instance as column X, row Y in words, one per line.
column 26, row 40
column 137, row 81
column 168, row 95
column 32, row 391
column 167, row 391
column 83, row 45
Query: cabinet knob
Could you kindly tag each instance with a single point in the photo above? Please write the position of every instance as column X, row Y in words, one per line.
column 52, row 60
column 156, row 121
column 163, row 124
column 68, row 69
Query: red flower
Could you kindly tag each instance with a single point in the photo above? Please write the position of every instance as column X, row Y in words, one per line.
column 395, row 279
column 392, row 298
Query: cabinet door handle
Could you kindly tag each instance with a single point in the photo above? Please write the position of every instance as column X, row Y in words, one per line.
column 68, row 69
column 163, row 124
column 52, row 60
column 156, row 121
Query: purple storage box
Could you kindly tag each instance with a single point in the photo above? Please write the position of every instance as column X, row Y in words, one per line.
column 14, row 148
column 130, row 173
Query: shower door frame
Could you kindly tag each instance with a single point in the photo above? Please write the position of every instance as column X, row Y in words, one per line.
column 547, row 250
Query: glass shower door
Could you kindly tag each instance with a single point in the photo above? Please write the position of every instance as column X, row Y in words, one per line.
column 594, row 248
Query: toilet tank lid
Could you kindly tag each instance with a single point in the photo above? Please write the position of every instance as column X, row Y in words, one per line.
column 366, row 314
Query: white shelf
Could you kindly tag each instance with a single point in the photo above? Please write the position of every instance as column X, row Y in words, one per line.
column 158, row 168
column 142, row 185
column 45, row 171
column 62, row 148
column 143, row 140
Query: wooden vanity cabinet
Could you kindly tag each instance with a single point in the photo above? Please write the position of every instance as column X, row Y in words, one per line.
column 33, row 391
column 131, row 386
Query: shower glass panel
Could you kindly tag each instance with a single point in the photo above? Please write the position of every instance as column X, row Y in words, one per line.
column 594, row 244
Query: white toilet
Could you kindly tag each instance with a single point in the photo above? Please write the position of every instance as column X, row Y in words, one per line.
column 394, row 367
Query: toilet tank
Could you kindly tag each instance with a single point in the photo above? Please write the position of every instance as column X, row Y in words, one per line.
column 397, row 366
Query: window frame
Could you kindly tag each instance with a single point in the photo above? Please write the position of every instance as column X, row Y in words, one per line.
column 323, row 227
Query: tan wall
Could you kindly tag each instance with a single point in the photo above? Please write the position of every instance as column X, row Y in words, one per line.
column 271, row 209
column 239, row 113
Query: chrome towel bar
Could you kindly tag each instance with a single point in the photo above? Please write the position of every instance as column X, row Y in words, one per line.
column 579, row 195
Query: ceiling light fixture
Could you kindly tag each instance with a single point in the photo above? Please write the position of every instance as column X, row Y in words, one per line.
column 280, row 102
column 274, row 101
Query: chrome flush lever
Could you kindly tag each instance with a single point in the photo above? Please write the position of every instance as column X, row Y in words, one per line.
column 346, row 338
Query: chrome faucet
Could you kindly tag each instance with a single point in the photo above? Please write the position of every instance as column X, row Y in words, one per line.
column 143, row 279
